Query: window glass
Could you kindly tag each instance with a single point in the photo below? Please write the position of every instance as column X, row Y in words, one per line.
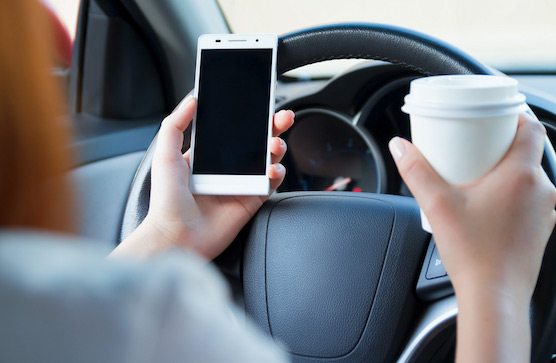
column 67, row 11
column 512, row 35
column 63, row 20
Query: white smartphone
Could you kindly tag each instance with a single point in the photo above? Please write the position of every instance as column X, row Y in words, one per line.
column 235, row 80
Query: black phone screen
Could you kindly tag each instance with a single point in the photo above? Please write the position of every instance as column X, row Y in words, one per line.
column 232, row 112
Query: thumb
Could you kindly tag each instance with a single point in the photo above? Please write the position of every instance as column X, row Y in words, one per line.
column 423, row 181
column 170, row 136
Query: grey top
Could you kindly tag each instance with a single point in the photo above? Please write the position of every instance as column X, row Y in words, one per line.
column 61, row 300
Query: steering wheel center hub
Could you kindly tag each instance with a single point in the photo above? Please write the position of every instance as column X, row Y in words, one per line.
column 316, row 268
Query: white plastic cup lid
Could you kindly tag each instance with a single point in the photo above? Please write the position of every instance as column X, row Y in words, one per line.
column 464, row 96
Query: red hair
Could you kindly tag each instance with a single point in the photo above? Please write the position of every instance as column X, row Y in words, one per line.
column 34, row 134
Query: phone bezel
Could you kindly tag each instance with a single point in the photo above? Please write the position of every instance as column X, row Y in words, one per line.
column 219, row 184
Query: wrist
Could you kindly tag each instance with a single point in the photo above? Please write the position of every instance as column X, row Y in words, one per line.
column 196, row 237
column 494, row 299
column 143, row 243
column 493, row 285
column 490, row 322
column 160, row 236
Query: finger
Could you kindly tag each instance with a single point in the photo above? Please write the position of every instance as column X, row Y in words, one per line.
column 551, row 190
column 181, row 117
column 184, row 100
column 170, row 135
column 528, row 145
column 278, row 149
column 283, row 120
column 276, row 174
column 423, row 181
column 187, row 157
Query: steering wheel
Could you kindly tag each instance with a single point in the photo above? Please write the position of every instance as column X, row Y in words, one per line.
column 333, row 275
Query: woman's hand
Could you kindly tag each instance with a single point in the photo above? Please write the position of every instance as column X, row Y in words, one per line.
column 494, row 230
column 176, row 218
column 491, row 235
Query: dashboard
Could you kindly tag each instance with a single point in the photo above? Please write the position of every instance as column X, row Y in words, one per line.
column 339, row 141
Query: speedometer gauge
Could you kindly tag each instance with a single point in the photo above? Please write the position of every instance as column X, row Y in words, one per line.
column 330, row 153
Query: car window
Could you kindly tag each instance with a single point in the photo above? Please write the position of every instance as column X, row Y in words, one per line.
column 513, row 35
column 63, row 19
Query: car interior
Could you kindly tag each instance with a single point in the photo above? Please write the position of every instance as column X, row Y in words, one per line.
column 335, row 265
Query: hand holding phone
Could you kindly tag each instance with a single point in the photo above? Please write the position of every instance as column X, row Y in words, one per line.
column 206, row 224
column 234, row 85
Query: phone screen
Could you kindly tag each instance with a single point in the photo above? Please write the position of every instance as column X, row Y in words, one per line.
column 232, row 112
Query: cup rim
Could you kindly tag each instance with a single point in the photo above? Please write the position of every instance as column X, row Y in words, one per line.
column 509, row 106
column 476, row 81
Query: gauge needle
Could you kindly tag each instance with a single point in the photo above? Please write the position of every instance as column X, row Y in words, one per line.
column 338, row 185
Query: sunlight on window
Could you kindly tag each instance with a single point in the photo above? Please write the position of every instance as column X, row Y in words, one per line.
column 67, row 11
column 511, row 34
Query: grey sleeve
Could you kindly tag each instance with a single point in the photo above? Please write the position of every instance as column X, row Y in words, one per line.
column 197, row 321
column 65, row 302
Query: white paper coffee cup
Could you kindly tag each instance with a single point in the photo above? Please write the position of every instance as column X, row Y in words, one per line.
column 463, row 124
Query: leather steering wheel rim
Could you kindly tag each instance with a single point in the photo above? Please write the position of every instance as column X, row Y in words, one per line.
column 408, row 49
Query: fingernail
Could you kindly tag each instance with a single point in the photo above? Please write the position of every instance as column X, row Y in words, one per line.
column 397, row 148
column 292, row 114
column 279, row 168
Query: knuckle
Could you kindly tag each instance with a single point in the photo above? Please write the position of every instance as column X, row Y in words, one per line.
column 165, row 125
column 283, row 145
column 437, row 202
column 164, row 160
column 538, row 128
column 412, row 168
column 543, row 129
column 527, row 177
column 166, row 121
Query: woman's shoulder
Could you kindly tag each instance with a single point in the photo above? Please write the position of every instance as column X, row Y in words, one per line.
column 56, row 289
column 47, row 263
column 61, row 298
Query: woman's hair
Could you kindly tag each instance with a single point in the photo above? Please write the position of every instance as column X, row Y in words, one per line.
column 34, row 133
